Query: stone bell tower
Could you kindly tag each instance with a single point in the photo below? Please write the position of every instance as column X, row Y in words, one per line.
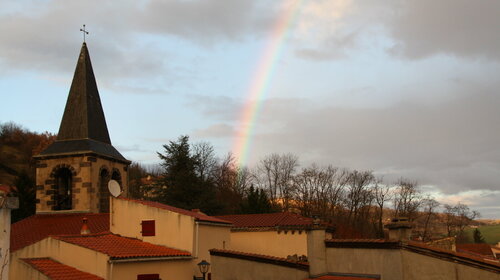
column 72, row 174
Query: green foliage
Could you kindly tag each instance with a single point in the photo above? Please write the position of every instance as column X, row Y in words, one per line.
column 25, row 191
column 181, row 185
column 478, row 237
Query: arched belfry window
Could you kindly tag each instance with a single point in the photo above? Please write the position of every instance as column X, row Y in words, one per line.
column 104, row 178
column 63, row 179
column 117, row 176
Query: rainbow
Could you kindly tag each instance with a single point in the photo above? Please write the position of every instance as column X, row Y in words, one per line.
column 261, row 81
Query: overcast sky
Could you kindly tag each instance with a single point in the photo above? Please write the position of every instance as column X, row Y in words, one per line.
column 403, row 88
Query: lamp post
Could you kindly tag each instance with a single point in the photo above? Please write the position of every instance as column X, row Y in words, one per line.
column 204, row 266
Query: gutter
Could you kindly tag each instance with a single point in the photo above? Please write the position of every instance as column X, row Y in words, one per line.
column 111, row 261
column 213, row 224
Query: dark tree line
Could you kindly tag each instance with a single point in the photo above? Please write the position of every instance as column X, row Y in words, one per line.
column 17, row 166
column 193, row 177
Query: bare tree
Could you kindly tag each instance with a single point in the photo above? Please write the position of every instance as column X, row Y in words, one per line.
column 359, row 197
column 457, row 218
column 429, row 206
column 206, row 160
column 381, row 193
column 276, row 176
column 407, row 198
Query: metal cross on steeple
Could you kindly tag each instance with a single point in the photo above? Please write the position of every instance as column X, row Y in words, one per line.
column 84, row 32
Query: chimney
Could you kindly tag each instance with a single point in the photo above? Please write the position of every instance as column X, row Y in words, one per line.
column 399, row 229
column 85, row 228
column 316, row 251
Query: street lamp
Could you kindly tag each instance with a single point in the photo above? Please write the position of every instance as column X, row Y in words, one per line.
column 204, row 266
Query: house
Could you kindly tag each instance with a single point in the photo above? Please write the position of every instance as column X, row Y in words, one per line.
column 386, row 259
column 7, row 204
column 275, row 234
column 80, row 231
column 137, row 239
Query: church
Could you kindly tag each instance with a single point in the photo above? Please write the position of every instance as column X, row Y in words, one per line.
column 80, row 231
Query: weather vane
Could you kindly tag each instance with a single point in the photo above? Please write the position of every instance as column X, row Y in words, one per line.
column 84, row 32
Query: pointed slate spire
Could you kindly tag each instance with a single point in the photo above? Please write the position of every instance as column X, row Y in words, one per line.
column 83, row 127
column 83, row 117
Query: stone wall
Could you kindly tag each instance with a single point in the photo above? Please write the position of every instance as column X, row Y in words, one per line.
column 85, row 181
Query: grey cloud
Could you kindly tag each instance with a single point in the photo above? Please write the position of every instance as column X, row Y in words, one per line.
column 459, row 27
column 452, row 144
column 413, row 29
column 47, row 38
column 205, row 20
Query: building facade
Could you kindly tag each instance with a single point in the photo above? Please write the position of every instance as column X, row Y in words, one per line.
column 72, row 174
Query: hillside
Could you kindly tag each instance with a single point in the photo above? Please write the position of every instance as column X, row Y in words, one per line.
column 491, row 233
column 17, row 167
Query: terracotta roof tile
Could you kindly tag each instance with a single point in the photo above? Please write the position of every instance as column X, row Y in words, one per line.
column 480, row 249
column 260, row 258
column 416, row 247
column 334, row 277
column 360, row 240
column 119, row 247
column 457, row 255
column 37, row 227
column 58, row 271
column 363, row 243
column 267, row 220
column 197, row 215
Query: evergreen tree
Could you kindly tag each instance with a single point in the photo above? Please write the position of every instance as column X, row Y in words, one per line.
column 256, row 202
column 25, row 191
column 181, row 186
column 478, row 237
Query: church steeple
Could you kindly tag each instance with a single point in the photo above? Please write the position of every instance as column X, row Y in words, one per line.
column 83, row 117
column 83, row 127
column 72, row 174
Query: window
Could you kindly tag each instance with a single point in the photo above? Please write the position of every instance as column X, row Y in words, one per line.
column 103, row 191
column 148, row 277
column 63, row 189
column 148, row 228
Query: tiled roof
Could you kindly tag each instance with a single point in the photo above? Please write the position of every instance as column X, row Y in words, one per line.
column 416, row 247
column 58, row 271
column 480, row 249
column 283, row 219
column 119, row 247
column 456, row 256
column 260, row 258
column 197, row 215
column 335, row 277
column 37, row 227
column 363, row 243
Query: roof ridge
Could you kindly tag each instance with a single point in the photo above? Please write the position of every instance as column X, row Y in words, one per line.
column 196, row 215
column 57, row 270
column 260, row 258
column 102, row 233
